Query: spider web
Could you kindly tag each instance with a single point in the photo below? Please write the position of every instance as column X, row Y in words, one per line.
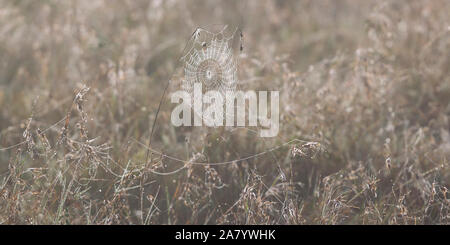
column 209, row 60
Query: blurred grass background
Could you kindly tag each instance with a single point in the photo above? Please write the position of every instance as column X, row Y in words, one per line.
column 364, row 84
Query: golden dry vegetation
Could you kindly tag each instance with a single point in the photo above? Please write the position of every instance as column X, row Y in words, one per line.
column 364, row 96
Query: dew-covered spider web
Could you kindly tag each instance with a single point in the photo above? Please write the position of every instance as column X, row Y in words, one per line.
column 209, row 61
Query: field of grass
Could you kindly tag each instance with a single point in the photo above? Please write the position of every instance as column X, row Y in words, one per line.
column 364, row 114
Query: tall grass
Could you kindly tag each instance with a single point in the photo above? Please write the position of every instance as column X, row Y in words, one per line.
column 364, row 91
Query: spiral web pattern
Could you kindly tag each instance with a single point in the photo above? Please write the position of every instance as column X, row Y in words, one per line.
column 210, row 61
